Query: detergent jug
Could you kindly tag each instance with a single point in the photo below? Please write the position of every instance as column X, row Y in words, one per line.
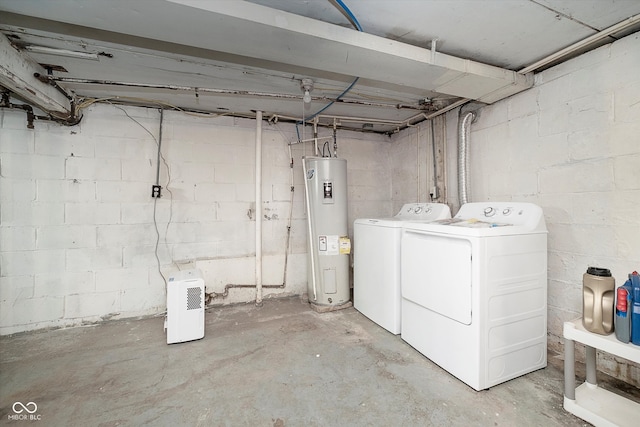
column 597, row 300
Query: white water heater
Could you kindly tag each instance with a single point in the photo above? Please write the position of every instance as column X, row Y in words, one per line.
column 185, row 306
column 329, row 244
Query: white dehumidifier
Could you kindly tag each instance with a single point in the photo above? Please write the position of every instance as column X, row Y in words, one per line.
column 185, row 307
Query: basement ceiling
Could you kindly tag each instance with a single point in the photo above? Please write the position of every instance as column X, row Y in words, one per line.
column 412, row 60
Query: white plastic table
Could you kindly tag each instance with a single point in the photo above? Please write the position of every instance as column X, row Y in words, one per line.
column 593, row 404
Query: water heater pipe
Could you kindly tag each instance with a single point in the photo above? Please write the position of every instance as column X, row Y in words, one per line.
column 310, row 229
column 259, row 208
column 315, row 136
column 464, row 125
column 335, row 141
column 434, row 193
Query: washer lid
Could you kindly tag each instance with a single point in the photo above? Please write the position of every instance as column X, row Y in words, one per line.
column 471, row 227
column 410, row 212
column 380, row 222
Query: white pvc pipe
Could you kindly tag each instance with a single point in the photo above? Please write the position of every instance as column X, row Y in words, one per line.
column 406, row 122
column 620, row 26
column 258, row 208
column 310, row 230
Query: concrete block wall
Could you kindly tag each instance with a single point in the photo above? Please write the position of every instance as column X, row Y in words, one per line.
column 369, row 175
column 77, row 234
column 408, row 163
column 412, row 168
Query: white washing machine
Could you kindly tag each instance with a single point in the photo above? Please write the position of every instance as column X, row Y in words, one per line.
column 474, row 291
column 376, row 262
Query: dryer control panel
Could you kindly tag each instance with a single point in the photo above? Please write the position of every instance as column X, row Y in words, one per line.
column 503, row 214
column 491, row 211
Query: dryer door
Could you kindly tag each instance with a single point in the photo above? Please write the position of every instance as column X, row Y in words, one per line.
column 436, row 273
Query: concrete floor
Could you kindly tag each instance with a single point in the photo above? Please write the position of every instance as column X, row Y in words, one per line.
column 279, row 365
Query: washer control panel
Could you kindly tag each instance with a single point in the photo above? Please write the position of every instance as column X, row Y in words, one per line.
column 417, row 209
column 423, row 211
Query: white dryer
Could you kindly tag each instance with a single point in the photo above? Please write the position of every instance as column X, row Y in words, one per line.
column 474, row 291
column 376, row 262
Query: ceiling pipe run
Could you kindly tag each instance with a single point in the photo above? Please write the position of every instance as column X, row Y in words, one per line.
column 561, row 54
column 398, row 124
column 202, row 90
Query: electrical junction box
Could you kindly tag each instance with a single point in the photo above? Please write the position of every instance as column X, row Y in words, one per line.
column 185, row 306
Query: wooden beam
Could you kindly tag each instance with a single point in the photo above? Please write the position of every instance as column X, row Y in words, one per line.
column 17, row 75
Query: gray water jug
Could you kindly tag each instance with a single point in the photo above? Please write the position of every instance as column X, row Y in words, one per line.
column 598, row 300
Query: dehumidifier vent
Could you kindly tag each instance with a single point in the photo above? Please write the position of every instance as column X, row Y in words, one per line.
column 185, row 306
column 194, row 300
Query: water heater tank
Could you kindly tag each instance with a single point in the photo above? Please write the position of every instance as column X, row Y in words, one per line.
column 329, row 244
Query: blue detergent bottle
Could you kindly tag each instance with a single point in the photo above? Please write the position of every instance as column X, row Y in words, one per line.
column 622, row 325
column 635, row 307
column 623, row 312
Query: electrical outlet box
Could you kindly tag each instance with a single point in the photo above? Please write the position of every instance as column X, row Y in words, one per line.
column 434, row 193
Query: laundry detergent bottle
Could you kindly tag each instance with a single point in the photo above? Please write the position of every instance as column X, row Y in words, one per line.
column 624, row 306
column 634, row 278
column 597, row 300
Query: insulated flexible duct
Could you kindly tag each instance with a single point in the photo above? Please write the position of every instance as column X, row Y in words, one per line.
column 464, row 125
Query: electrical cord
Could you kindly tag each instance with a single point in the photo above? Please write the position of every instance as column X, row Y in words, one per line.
column 155, row 201
column 86, row 102
column 339, row 97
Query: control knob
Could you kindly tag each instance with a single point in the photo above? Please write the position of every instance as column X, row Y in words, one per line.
column 489, row 211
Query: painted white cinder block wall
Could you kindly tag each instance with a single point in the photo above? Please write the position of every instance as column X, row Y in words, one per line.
column 77, row 235
column 412, row 166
